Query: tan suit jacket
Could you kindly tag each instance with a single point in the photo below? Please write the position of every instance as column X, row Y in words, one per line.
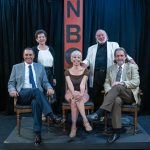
column 130, row 76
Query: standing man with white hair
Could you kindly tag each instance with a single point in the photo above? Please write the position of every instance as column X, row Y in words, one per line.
column 99, row 57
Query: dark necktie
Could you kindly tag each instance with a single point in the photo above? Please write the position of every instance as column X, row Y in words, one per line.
column 31, row 78
column 118, row 76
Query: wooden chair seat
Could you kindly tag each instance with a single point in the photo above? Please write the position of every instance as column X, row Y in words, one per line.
column 89, row 107
column 23, row 107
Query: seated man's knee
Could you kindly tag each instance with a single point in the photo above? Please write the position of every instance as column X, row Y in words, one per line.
column 118, row 86
column 118, row 101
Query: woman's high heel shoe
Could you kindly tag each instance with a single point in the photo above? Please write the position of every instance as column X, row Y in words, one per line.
column 73, row 132
column 87, row 126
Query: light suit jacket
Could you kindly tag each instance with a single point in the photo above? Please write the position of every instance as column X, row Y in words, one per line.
column 130, row 76
column 17, row 77
column 91, row 56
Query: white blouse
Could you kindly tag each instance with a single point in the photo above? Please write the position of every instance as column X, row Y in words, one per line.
column 45, row 58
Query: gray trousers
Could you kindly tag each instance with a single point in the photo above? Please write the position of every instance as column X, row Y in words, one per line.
column 113, row 101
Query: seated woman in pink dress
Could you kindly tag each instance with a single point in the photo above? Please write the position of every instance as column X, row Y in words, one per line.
column 76, row 94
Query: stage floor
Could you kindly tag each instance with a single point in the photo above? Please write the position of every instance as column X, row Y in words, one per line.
column 56, row 138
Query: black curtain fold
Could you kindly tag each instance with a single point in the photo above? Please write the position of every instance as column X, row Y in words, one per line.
column 126, row 22
column 19, row 19
column 144, row 59
column 122, row 20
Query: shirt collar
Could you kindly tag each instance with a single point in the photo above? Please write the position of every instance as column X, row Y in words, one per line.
column 26, row 64
column 121, row 66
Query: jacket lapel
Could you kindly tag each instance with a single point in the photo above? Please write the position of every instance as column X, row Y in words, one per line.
column 124, row 72
column 36, row 71
column 94, row 51
column 114, row 73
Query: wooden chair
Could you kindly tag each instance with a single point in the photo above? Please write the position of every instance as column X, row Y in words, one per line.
column 20, row 109
column 129, row 108
column 89, row 107
column 23, row 109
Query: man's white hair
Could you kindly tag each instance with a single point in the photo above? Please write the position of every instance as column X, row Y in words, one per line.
column 104, row 32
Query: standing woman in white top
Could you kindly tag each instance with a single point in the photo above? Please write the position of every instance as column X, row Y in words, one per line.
column 44, row 54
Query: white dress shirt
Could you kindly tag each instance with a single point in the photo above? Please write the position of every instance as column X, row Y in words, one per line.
column 27, row 83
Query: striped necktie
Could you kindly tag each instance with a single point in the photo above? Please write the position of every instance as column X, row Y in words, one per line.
column 118, row 76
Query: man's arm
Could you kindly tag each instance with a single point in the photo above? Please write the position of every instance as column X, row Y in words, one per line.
column 45, row 83
column 12, row 83
column 86, row 62
column 135, row 79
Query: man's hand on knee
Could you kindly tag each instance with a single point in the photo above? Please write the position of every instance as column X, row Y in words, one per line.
column 50, row 92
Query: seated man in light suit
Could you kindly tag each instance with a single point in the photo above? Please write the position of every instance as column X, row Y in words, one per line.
column 27, row 84
column 121, row 86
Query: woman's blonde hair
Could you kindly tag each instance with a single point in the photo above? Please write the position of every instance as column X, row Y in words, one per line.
column 76, row 52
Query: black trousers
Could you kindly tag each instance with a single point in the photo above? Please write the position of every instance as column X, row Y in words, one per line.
column 49, row 73
column 98, row 86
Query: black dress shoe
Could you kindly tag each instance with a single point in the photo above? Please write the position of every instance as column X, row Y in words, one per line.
column 37, row 140
column 56, row 119
column 93, row 117
column 113, row 138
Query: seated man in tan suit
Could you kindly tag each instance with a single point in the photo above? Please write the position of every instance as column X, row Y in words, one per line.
column 121, row 86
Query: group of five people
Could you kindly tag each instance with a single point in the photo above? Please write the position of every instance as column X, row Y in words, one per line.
column 102, row 75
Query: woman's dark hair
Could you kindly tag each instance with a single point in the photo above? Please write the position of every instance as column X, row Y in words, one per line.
column 39, row 32
column 121, row 49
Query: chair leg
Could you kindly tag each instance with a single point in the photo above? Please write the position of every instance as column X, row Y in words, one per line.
column 48, row 123
column 135, row 121
column 88, row 112
column 92, row 110
column 64, row 118
column 18, row 123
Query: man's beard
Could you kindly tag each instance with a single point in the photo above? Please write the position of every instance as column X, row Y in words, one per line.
column 101, row 42
column 120, row 63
